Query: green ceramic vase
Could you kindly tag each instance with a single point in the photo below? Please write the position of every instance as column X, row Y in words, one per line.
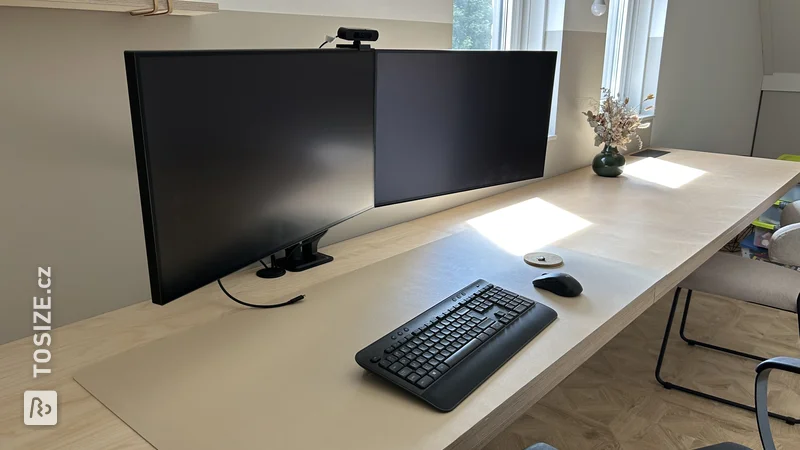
column 609, row 162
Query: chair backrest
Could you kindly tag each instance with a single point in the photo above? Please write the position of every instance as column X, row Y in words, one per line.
column 784, row 245
column 791, row 214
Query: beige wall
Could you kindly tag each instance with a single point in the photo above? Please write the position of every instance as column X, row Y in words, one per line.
column 68, row 177
column 776, row 133
column 711, row 73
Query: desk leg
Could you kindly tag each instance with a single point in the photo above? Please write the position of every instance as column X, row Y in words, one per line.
column 668, row 385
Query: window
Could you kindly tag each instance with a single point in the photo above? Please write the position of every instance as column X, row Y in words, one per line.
column 511, row 25
column 633, row 49
column 477, row 24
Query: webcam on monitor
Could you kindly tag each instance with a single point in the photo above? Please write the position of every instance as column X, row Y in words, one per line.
column 357, row 36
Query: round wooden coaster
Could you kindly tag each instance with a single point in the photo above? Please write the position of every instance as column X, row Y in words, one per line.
column 544, row 259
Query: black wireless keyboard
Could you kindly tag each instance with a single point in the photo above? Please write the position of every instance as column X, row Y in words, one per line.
column 445, row 353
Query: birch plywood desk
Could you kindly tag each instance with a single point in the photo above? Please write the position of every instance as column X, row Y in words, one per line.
column 650, row 228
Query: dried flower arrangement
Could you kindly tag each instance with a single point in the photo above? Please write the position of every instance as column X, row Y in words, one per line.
column 615, row 123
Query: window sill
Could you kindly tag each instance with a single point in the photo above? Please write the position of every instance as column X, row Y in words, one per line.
column 552, row 137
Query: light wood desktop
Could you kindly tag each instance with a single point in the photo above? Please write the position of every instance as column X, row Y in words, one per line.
column 644, row 233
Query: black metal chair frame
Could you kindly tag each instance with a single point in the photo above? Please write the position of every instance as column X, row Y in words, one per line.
column 692, row 342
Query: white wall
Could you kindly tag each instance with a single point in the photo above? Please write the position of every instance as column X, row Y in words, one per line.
column 711, row 73
column 785, row 17
column 416, row 10
column 579, row 17
column 776, row 133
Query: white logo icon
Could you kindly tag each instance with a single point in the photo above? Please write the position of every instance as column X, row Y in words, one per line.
column 41, row 407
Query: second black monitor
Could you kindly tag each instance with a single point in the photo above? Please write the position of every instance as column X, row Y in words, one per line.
column 449, row 121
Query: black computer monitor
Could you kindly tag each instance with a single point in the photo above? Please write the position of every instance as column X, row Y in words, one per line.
column 241, row 154
column 450, row 121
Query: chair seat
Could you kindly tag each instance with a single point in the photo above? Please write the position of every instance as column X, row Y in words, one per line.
column 760, row 282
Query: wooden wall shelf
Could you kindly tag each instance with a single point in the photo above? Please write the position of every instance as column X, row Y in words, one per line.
column 180, row 7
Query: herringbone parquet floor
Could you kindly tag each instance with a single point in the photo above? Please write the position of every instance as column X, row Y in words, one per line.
column 613, row 401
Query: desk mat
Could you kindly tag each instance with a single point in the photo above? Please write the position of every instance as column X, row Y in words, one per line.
column 286, row 379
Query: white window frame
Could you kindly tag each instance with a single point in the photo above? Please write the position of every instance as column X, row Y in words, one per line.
column 630, row 25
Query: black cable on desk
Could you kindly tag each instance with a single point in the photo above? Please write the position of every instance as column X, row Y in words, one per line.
column 251, row 305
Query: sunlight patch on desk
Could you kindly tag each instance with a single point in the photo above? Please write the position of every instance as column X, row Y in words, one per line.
column 527, row 226
column 662, row 172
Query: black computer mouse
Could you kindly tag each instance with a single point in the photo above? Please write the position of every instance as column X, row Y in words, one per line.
column 559, row 283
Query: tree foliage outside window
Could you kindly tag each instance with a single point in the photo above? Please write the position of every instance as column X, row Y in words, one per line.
column 472, row 24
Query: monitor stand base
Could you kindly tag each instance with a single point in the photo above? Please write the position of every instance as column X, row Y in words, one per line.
column 304, row 256
column 273, row 271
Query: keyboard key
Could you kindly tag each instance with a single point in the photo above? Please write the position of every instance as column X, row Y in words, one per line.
column 434, row 374
column 398, row 354
column 454, row 359
column 427, row 366
column 483, row 337
column 404, row 372
column 404, row 361
column 427, row 355
column 413, row 377
column 421, row 360
column 422, row 372
column 440, row 357
column 451, row 349
column 404, row 349
column 395, row 367
column 490, row 331
column 497, row 326
column 443, row 367
column 425, row 382
column 414, row 365
column 417, row 341
column 392, row 358
column 385, row 363
column 520, row 308
column 486, row 322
